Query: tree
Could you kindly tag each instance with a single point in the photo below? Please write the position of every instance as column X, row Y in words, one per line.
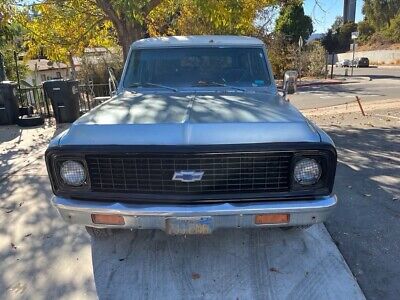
column 206, row 17
column 128, row 18
column 293, row 23
column 62, row 29
column 330, row 42
column 10, row 35
column 344, row 36
column 378, row 13
column 393, row 31
column 282, row 54
column 314, row 59
column 132, row 20
column 365, row 29
column 337, row 24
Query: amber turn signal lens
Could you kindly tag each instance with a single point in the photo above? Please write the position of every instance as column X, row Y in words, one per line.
column 272, row 219
column 108, row 219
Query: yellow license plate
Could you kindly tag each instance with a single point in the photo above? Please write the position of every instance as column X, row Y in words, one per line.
column 189, row 225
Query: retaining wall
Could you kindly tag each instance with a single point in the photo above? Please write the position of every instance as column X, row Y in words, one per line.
column 375, row 57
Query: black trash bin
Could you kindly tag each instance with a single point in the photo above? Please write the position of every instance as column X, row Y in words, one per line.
column 9, row 111
column 64, row 97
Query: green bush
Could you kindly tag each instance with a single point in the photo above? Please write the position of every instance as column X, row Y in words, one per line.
column 314, row 60
column 392, row 33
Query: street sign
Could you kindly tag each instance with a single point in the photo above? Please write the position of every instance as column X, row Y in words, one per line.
column 354, row 35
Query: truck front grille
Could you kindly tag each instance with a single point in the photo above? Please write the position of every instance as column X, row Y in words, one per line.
column 224, row 173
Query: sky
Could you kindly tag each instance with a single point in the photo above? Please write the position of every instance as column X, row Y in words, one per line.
column 324, row 16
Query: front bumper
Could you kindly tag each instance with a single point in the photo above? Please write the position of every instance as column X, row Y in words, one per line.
column 222, row 215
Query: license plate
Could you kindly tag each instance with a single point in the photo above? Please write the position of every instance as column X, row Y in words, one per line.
column 189, row 225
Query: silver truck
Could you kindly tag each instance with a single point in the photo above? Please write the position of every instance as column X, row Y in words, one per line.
column 196, row 138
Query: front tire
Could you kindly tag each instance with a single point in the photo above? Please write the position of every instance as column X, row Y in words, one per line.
column 100, row 233
column 296, row 228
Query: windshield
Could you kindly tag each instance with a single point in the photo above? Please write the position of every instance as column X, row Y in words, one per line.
column 186, row 67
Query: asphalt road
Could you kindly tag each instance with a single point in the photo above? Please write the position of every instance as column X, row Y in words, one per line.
column 385, row 84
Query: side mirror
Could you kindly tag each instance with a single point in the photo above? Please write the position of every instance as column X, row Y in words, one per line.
column 112, row 81
column 290, row 82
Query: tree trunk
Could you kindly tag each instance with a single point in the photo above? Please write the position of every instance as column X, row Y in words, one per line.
column 128, row 30
column 72, row 66
column 127, row 36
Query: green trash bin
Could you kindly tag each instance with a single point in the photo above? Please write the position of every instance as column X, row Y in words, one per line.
column 64, row 98
column 9, row 110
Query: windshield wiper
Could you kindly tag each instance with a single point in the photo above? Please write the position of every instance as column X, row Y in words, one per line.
column 144, row 84
column 214, row 83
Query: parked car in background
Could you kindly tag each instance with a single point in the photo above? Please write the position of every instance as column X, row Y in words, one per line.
column 196, row 138
column 343, row 63
column 362, row 62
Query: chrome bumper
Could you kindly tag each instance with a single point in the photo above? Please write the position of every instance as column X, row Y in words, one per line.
column 223, row 215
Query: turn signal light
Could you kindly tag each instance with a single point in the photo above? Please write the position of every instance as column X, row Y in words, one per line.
column 272, row 219
column 108, row 219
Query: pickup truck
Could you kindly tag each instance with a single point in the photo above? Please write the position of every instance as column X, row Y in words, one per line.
column 196, row 138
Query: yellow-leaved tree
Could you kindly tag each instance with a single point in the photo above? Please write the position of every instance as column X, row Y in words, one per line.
column 62, row 29
column 183, row 17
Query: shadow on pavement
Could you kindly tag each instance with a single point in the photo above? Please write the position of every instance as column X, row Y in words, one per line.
column 366, row 223
column 228, row 264
column 381, row 76
column 24, row 143
column 41, row 257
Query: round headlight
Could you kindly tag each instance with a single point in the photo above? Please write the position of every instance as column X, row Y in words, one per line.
column 307, row 171
column 73, row 173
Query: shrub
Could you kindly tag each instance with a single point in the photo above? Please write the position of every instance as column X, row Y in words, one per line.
column 392, row 33
column 314, row 60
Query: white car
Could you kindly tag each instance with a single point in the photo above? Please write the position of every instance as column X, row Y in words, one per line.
column 345, row 63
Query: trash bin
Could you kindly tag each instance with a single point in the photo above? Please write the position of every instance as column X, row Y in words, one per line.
column 64, row 97
column 9, row 111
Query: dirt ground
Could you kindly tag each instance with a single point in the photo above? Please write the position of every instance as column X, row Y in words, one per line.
column 378, row 114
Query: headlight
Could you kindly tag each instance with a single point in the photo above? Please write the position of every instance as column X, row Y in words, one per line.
column 72, row 173
column 307, row 171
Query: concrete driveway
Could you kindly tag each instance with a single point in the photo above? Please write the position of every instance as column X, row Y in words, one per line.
column 229, row 264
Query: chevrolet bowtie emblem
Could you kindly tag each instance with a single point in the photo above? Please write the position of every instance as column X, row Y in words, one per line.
column 188, row 176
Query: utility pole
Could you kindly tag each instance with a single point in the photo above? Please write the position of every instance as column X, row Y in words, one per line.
column 326, row 64
column 354, row 36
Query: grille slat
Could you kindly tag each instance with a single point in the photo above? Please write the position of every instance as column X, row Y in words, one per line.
column 224, row 173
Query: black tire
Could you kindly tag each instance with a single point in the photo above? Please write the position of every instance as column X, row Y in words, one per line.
column 295, row 228
column 30, row 121
column 100, row 233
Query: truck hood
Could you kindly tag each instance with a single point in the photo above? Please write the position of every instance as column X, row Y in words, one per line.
column 191, row 119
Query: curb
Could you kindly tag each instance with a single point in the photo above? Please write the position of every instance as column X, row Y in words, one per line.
column 323, row 83
column 345, row 80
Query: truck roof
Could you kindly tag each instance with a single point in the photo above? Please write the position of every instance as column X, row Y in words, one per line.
column 197, row 40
